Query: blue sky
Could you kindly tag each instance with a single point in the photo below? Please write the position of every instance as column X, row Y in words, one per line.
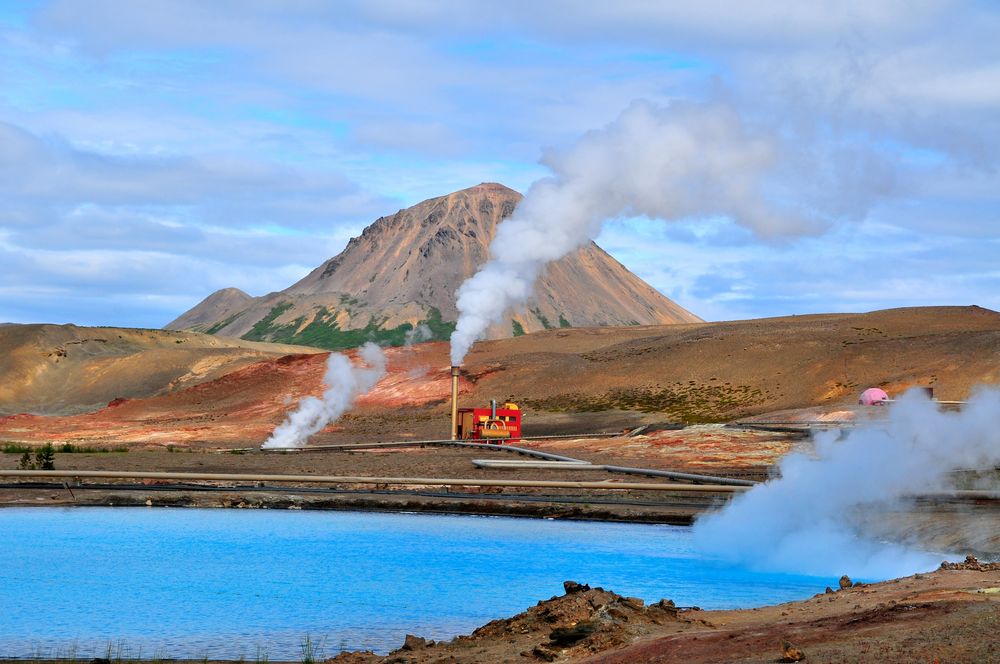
column 153, row 152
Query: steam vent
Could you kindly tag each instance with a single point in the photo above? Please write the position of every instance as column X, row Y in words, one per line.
column 404, row 270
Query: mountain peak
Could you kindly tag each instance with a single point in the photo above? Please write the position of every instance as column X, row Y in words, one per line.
column 495, row 187
column 217, row 306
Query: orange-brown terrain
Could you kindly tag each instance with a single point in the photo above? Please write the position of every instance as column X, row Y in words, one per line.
column 190, row 389
column 64, row 369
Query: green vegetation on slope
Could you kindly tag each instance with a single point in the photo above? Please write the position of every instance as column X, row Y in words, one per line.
column 218, row 326
column 541, row 318
column 324, row 332
column 262, row 327
column 517, row 328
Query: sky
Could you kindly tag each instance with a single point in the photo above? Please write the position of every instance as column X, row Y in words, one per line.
column 153, row 152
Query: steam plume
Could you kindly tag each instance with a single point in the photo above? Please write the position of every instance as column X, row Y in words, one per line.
column 344, row 383
column 809, row 520
column 682, row 161
column 419, row 334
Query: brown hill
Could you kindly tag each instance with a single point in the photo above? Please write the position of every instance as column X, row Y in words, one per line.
column 59, row 369
column 404, row 270
column 576, row 378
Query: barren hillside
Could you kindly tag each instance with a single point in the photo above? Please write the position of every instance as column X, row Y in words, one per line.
column 569, row 378
column 60, row 369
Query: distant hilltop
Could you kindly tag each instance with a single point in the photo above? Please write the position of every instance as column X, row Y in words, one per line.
column 403, row 271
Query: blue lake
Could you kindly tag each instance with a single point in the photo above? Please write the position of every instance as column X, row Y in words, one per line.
column 231, row 583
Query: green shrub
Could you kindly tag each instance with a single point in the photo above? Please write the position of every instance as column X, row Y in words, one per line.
column 45, row 457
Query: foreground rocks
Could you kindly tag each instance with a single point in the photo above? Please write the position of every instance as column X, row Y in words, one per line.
column 950, row 615
column 580, row 623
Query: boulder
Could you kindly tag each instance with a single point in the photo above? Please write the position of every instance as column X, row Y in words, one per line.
column 790, row 653
column 413, row 642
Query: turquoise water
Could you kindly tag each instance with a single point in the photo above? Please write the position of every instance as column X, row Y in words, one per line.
column 231, row 583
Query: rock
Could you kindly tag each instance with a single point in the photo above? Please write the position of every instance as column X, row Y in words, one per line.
column 568, row 635
column 413, row 642
column 845, row 582
column 543, row 653
column 970, row 563
column 574, row 587
column 618, row 614
column 829, row 590
column 633, row 603
column 790, row 653
column 667, row 606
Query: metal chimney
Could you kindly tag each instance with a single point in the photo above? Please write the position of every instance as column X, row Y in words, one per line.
column 454, row 403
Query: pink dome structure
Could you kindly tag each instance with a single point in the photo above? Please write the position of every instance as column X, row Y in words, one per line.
column 873, row 396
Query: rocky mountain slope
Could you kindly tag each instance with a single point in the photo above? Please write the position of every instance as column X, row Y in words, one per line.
column 404, row 270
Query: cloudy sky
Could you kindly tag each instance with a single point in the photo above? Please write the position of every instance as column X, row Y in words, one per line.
column 152, row 152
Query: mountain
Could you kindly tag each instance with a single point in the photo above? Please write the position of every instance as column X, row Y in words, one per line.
column 403, row 271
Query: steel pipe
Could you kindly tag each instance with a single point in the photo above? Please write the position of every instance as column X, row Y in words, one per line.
column 454, row 403
column 338, row 479
column 583, row 465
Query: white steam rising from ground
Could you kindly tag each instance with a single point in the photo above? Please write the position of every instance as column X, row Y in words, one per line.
column 419, row 334
column 682, row 161
column 811, row 519
column 344, row 382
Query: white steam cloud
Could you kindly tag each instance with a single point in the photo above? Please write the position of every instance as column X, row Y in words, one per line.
column 419, row 334
column 810, row 520
column 682, row 161
column 344, row 382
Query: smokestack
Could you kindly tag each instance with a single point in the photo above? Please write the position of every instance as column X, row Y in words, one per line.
column 454, row 403
column 493, row 409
